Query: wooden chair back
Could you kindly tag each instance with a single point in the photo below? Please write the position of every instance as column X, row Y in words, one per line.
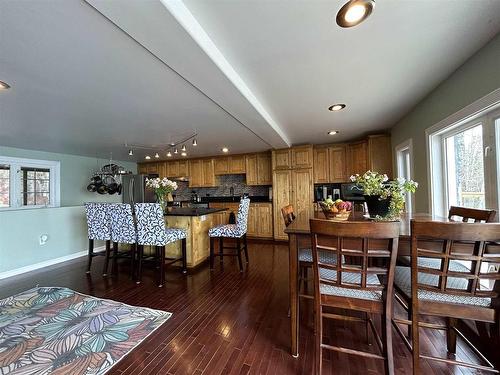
column 288, row 215
column 474, row 243
column 474, row 214
column 371, row 246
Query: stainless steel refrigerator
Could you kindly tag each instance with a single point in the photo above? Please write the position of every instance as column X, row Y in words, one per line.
column 134, row 189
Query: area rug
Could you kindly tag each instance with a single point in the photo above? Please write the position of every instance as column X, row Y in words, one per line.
column 60, row 331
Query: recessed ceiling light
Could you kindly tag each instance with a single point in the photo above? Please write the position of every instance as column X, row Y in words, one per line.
column 4, row 85
column 131, row 152
column 147, row 157
column 333, row 132
column 225, row 149
column 354, row 12
column 184, row 153
column 336, row 107
column 169, row 154
column 157, row 155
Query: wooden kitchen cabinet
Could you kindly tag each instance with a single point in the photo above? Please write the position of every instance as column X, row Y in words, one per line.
column 142, row 168
column 258, row 169
column 237, row 164
column 380, row 154
column 260, row 220
column 196, row 173
column 321, row 165
column 221, row 165
column 357, row 158
column 337, row 164
column 208, row 173
column 302, row 156
column 282, row 159
column 282, row 188
column 177, row 168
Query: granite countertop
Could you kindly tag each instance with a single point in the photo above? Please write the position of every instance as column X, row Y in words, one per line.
column 187, row 211
column 229, row 199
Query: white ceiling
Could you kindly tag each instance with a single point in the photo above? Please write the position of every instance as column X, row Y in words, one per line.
column 88, row 77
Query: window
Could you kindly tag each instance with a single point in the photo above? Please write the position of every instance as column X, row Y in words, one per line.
column 404, row 159
column 27, row 183
column 463, row 162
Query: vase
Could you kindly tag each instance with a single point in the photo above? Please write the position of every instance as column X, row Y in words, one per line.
column 377, row 206
column 160, row 199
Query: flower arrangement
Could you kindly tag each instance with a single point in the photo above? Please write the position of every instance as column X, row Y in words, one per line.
column 377, row 187
column 162, row 188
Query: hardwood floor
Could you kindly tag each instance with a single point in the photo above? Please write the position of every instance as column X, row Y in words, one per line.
column 227, row 322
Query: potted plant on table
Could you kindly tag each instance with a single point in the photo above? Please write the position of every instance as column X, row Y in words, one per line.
column 384, row 198
column 163, row 188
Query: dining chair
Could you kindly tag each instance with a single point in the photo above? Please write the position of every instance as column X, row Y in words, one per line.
column 365, row 284
column 237, row 231
column 471, row 294
column 151, row 231
column 98, row 228
column 122, row 231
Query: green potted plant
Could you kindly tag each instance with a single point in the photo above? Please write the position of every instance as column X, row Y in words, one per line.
column 384, row 198
column 163, row 188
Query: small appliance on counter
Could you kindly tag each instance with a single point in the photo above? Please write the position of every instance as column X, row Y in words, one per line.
column 351, row 192
column 322, row 192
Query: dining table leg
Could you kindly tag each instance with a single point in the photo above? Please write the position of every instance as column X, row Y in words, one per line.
column 294, row 293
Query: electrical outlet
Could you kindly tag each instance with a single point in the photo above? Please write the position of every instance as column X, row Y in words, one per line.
column 43, row 239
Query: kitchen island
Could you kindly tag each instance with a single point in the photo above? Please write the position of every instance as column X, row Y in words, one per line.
column 197, row 222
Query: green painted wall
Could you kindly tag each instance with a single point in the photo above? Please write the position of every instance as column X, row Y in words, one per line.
column 65, row 226
column 476, row 78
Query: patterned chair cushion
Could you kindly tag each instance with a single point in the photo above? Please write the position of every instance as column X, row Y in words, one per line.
column 122, row 223
column 402, row 280
column 352, row 278
column 98, row 221
column 305, row 255
column 151, row 226
column 234, row 230
column 435, row 263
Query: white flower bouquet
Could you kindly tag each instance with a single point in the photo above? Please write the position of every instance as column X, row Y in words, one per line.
column 162, row 188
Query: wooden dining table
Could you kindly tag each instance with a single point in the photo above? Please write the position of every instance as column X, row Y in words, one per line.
column 299, row 237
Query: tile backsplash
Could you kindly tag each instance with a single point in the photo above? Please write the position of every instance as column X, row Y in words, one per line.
column 237, row 181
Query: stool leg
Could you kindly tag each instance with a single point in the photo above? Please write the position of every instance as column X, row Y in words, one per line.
column 451, row 335
column 161, row 250
column 114, row 265
column 212, row 240
column 184, row 257
column 133, row 253
column 91, row 254
column 246, row 246
column 221, row 250
column 106, row 258
column 238, row 249
column 140, row 252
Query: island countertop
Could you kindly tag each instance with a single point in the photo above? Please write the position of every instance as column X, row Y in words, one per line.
column 188, row 211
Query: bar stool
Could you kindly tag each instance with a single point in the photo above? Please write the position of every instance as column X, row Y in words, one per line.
column 99, row 228
column 237, row 231
column 151, row 231
column 122, row 231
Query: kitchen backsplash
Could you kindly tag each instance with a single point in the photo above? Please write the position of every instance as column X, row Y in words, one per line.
column 237, row 181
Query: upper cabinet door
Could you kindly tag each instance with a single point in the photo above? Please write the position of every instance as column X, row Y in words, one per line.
column 251, row 170
column 282, row 159
column 208, row 173
column 237, row 164
column 302, row 157
column 357, row 158
column 264, row 172
column 173, row 169
column 195, row 173
column 337, row 169
column 142, row 168
column 221, row 165
column 183, row 168
column 321, row 165
column 380, row 154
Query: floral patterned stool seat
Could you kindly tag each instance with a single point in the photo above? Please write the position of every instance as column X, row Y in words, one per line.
column 237, row 231
column 99, row 228
column 151, row 231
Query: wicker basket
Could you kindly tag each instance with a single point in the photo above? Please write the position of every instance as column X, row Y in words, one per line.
column 339, row 216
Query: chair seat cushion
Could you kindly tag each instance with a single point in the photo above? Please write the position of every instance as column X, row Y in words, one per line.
column 175, row 234
column 402, row 279
column 225, row 230
column 305, row 255
column 435, row 263
column 351, row 278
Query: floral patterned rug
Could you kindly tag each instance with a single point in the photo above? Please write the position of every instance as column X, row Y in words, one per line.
column 60, row 331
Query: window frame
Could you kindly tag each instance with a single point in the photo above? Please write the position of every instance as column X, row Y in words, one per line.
column 400, row 152
column 482, row 110
column 15, row 188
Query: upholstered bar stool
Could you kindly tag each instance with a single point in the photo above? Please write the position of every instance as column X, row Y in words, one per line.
column 237, row 231
column 151, row 231
column 122, row 231
column 99, row 228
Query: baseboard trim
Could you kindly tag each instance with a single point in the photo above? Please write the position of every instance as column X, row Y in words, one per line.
column 47, row 263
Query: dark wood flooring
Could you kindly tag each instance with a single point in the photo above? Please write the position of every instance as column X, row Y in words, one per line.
column 227, row 322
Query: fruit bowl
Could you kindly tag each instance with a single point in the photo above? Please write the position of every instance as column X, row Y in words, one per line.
column 339, row 210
